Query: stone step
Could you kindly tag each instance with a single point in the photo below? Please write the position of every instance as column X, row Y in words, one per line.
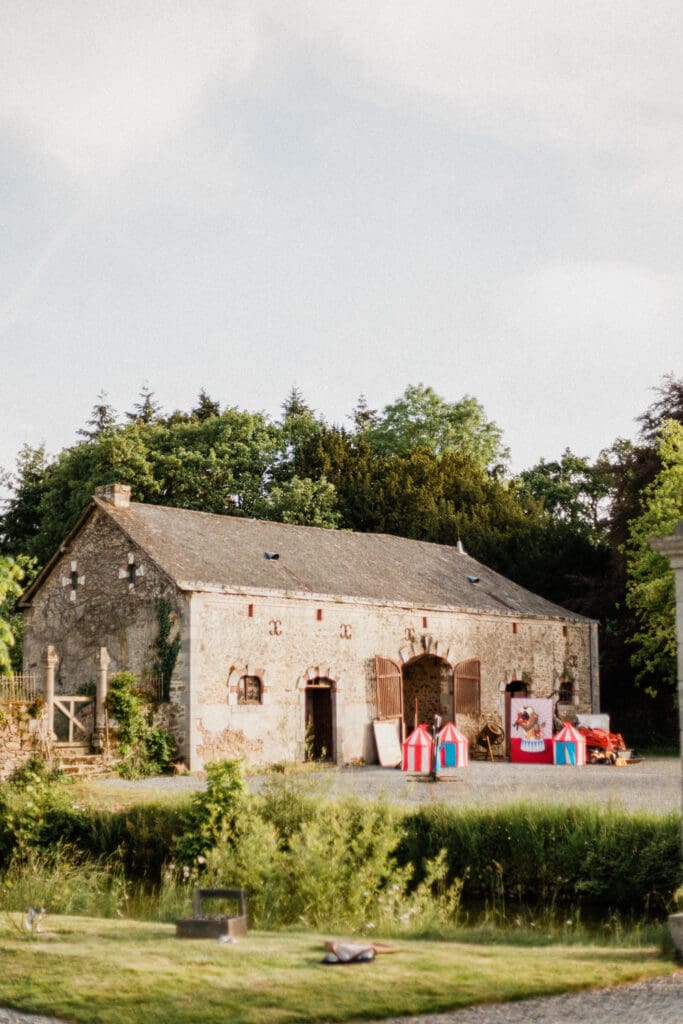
column 81, row 761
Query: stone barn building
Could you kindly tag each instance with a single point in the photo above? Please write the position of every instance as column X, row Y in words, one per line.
column 294, row 639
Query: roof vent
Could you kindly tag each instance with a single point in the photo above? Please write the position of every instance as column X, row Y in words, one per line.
column 271, row 555
column 473, row 579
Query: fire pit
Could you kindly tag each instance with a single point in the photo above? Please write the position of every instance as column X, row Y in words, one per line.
column 214, row 926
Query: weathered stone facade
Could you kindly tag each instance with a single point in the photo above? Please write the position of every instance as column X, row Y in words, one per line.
column 272, row 674
column 103, row 609
column 289, row 642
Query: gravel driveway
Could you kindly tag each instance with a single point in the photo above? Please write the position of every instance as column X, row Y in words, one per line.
column 659, row 1001
column 653, row 785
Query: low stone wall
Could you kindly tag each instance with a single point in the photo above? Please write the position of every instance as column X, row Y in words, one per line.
column 23, row 732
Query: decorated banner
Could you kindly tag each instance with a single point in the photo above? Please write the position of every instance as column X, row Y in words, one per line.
column 531, row 730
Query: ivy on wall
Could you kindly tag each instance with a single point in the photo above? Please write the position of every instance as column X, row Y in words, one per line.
column 166, row 648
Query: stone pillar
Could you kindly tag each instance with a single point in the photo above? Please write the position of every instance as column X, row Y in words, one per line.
column 50, row 664
column 672, row 548
column 594, row 661
column 103, row 661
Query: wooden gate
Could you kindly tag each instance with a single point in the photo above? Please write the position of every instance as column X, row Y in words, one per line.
column 70, row 728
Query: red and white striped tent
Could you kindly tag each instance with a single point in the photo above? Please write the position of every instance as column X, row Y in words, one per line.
column 453, row 748
column 417, row 751
column 569, row 746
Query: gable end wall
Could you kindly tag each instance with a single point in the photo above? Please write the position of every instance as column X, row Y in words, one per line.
column 105, row 612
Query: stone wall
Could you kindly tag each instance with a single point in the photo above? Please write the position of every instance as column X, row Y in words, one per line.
column 92, row 599
column 288, row 642
column 88, row 602
column 22, row 734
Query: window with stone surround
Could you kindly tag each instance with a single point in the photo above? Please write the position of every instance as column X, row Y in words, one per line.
column 250, row 690
column 566, row 691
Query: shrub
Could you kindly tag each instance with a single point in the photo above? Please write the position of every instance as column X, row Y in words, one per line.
column 216, row 815
column 142, row 748
column 552, row 854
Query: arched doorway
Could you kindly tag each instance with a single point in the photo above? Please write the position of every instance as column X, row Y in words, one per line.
column 319, row 720
column 515, row 688
column 427, row 690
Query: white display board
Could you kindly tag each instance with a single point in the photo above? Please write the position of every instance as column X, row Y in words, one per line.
column 388, row 742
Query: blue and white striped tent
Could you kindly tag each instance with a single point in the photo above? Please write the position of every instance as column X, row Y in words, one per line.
column 569, row 747
column 453, row 748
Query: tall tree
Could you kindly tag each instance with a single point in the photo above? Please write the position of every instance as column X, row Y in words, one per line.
column 102, row 418
column 422, row 419
column 299, row 427
column 667, row 406
column 363, row 416
column 303, row 502
column 146, row 409
column 650, row 585
column 12, row 572
column 205, row 408
column 20, row 521
column 570, row 489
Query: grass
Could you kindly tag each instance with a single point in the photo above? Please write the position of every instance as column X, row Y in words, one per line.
column 113, row 794
column 100, row 971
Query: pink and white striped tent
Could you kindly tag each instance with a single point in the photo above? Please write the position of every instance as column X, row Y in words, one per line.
column 569, row 746
column 417, row 751
column 453, row 748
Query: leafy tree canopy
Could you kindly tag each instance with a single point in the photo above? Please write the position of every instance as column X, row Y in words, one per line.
column 422, row 419
column 13, row 572
column 570, row 489
column 650, row 585
column 304, row 502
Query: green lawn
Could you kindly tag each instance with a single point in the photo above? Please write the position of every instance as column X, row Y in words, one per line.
column 124, row 972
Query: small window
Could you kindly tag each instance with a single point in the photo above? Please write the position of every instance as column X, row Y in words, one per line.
column 424, row 621
column 514, row 628
column 250, row 611
column 566, row 692
column 319, row 615
column 249, row 690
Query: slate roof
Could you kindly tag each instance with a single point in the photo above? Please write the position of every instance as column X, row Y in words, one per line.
column 201, row 551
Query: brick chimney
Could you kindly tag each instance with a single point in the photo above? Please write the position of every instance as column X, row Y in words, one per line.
column 117, row 495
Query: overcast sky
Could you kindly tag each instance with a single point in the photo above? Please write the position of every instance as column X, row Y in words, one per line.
column 349, row 197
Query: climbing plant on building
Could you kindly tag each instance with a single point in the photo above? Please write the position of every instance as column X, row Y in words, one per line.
column 143, row 749
column 166, row 647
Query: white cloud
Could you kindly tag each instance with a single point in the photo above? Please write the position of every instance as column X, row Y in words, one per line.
column 93, row 82
column 594, row 78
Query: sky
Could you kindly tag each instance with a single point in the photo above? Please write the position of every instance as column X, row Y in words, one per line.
column 344, row 196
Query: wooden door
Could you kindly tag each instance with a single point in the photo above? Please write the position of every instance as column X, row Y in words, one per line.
column 389, row 688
